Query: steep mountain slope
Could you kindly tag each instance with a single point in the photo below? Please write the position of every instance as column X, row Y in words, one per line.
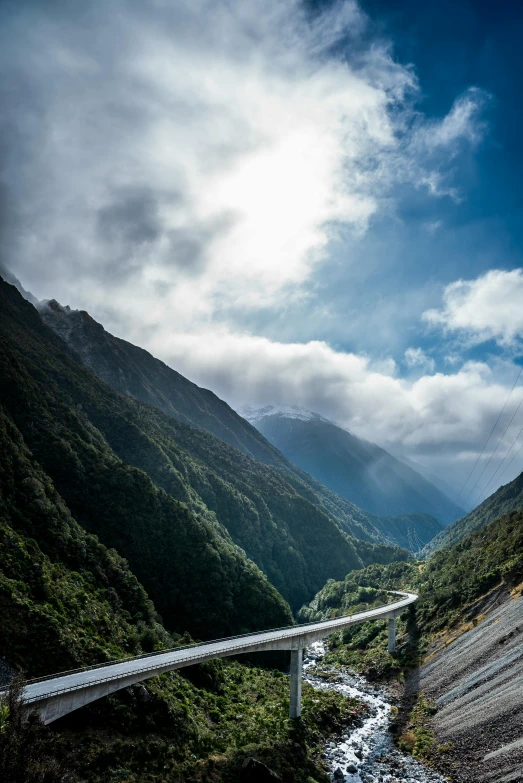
column 449, row 584
column 67, row 601
column 62, row 592
column 411, row 531
column 357, row 470
column 167, row 495
column 133, row 371
column 504, row 500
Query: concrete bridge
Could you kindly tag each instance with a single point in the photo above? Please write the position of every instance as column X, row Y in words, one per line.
column 55, row 696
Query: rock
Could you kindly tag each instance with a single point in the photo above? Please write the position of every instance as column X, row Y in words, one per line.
column 141, row 693
column 352, row 768
column 338, row 774
column 358, row 753
column 254, row 771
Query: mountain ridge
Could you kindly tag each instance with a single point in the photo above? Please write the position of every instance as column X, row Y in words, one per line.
column 133, row 371
column 357, row 469
column 506, row 499
column 228, row 496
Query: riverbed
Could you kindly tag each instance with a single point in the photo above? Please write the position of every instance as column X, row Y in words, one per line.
column 366, row 754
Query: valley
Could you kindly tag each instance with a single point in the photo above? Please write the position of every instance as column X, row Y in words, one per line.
column 261, row 391
column 140, row 512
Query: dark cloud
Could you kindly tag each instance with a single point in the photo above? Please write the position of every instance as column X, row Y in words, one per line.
column 136, row 221
column 131, row 218
column 189, row 246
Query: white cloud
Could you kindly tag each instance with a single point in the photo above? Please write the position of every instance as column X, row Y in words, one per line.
column 463, row 122
column 487, row 308
column 440, row 413
column 174, row 177
column 416, row 357
column 212, row 161
column 432, row 226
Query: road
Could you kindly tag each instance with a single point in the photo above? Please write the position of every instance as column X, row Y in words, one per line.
column 62, row 693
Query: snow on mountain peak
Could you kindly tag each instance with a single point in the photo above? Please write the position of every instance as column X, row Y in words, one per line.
column 255, row 412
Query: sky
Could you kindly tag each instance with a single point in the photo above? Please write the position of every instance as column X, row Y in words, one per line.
column 300, row 202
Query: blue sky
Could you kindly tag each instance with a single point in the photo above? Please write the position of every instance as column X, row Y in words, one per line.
column 310, row 204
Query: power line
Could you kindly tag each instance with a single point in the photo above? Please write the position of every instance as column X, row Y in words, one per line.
column 492, row 478
column 486, row 442
column 497, row 446
column 512, row 460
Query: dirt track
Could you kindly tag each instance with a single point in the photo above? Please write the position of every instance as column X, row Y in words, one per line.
column 477, row 683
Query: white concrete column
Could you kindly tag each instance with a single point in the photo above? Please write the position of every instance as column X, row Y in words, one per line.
column 392, row 634
column 296, row 672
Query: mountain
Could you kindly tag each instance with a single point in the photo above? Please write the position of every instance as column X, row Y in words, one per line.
column 433, row 478
column 504, row 500
column 61, row 591
column 181, row 505
column 88, row 440
column 411, row 531
column 356, row 469
column 67, row 601
column 457, row 584
column 135, row 372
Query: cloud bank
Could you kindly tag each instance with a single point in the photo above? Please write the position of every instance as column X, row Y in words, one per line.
column 433, row 414
column 202, row 155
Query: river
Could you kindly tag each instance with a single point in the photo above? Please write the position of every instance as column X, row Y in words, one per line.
column 366, row 754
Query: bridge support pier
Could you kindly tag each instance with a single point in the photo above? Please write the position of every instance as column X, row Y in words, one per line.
column 296, row 673
column 392, row 634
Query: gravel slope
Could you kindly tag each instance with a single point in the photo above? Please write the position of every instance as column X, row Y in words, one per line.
column 477, row 683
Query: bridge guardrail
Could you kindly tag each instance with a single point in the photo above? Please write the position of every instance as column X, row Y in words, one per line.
column 95, row 666
column 76, row 686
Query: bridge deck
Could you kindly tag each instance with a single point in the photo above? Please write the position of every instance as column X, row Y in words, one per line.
column 119, row 674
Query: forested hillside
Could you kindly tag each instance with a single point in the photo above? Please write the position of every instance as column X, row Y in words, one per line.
column 505, row 499
column 448, row 584
column 133, row 371
column 409, row 530
column 67, row 601
column 165, row 494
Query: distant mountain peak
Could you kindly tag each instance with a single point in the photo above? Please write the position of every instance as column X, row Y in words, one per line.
column 254, row 412
column 360, row 471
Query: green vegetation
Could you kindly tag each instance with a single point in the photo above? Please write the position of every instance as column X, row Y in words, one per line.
column 134, row 372
column 201, row 725
column 28, row 751
column 449, row 585
column 409, row 530
column 363, row 648
column 418, row 738
column 506, row 499
column 85, row 471
column 171, row 498
column 455, row 578
column 65, row 599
